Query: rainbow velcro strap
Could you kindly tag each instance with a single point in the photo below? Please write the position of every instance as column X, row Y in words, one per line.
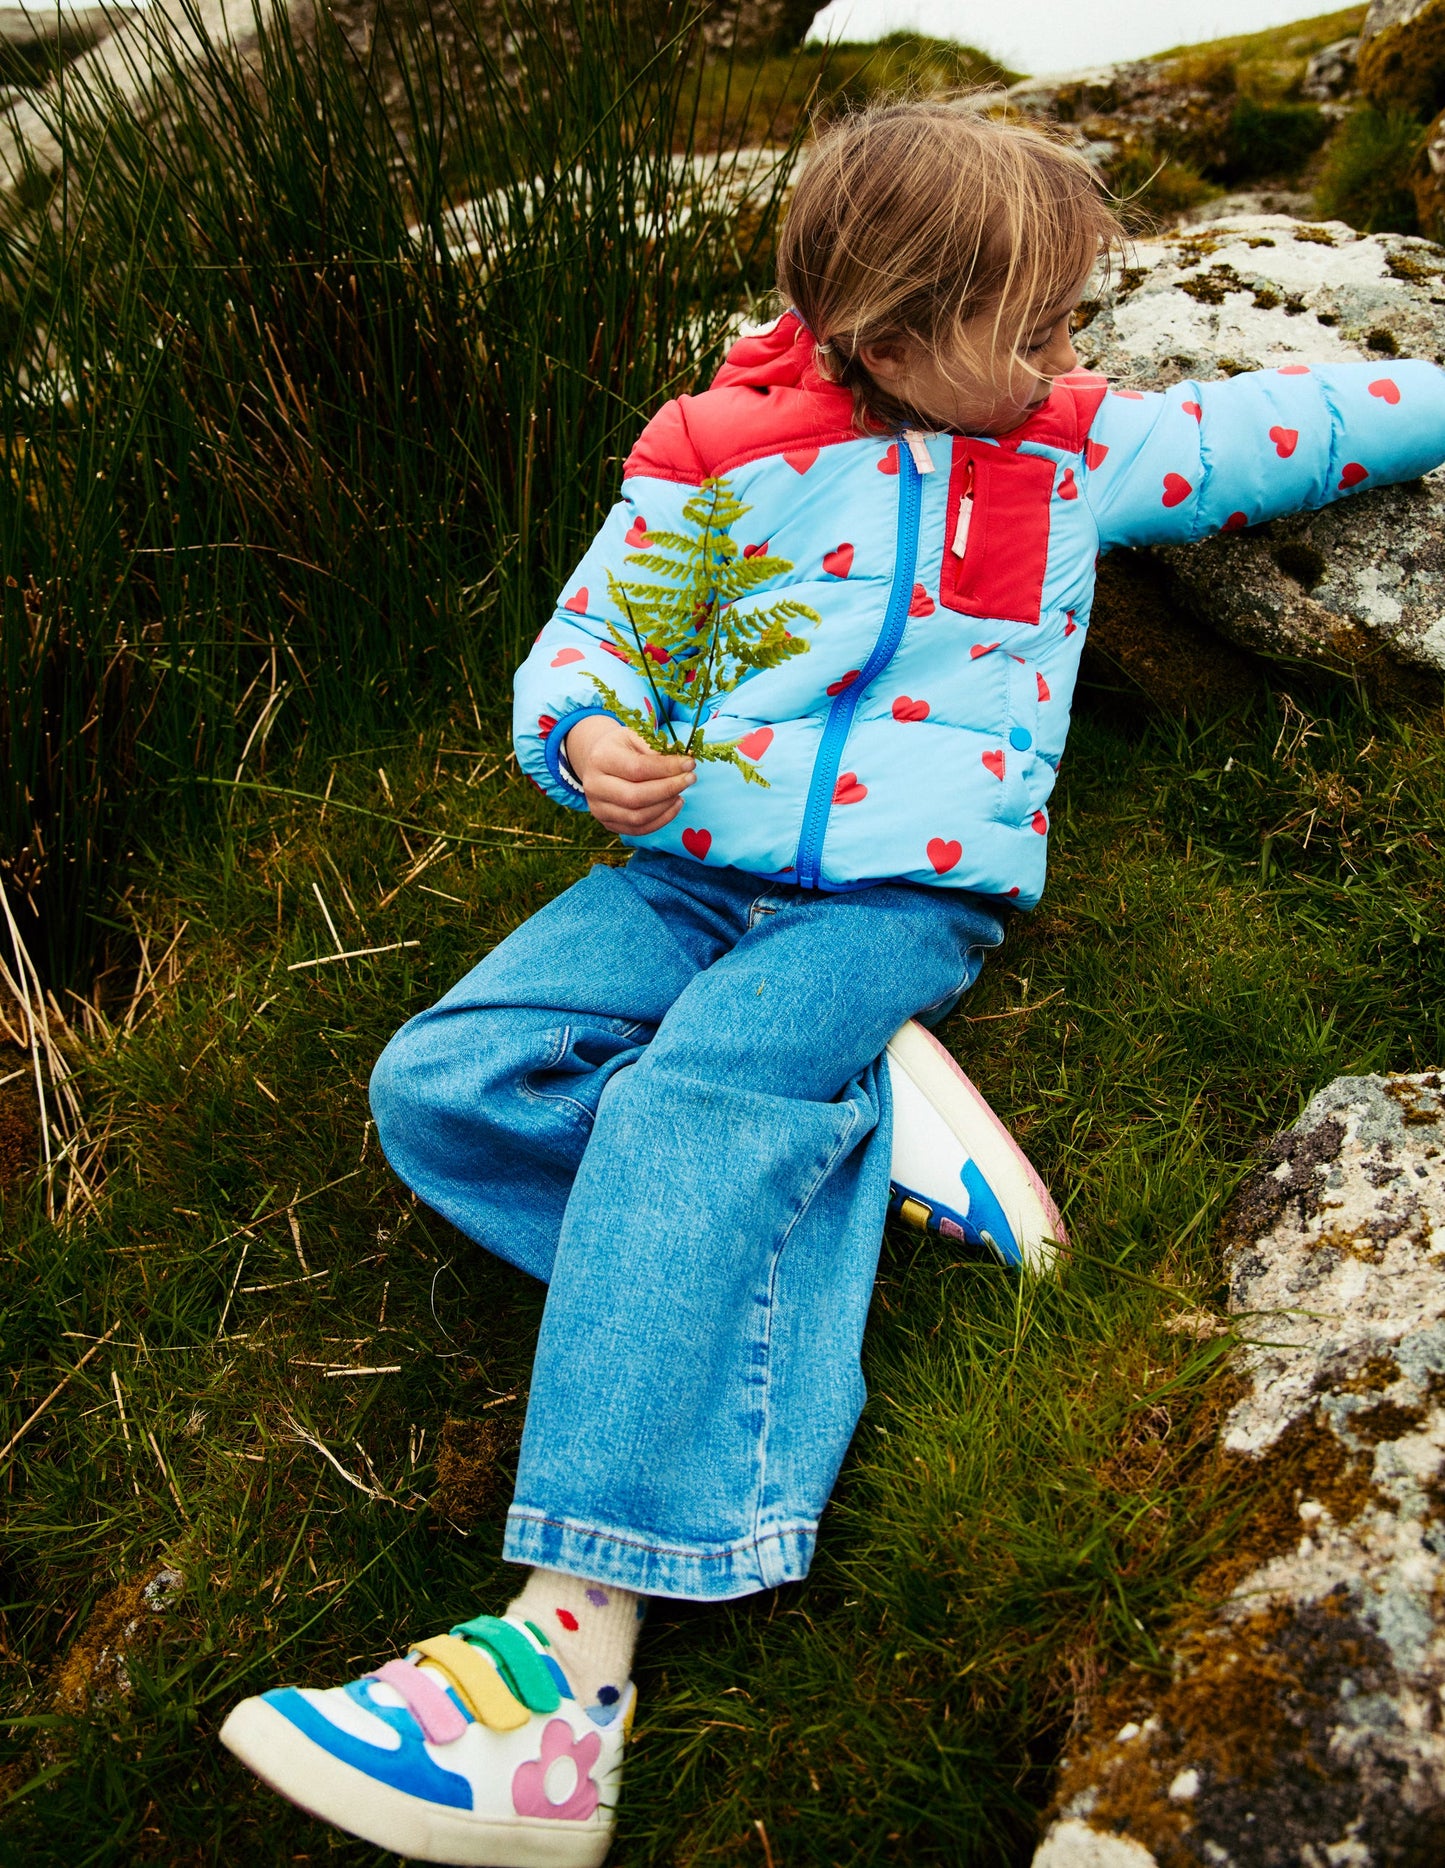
column 522, row 1668
column 476, row 1679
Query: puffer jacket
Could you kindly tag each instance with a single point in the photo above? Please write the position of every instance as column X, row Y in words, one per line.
column 920, row 736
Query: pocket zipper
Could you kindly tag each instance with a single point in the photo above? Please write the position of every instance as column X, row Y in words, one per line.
column 965, row 514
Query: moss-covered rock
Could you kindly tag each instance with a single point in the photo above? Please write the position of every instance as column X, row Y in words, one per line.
column 1401, row 60
column 1299, row 1721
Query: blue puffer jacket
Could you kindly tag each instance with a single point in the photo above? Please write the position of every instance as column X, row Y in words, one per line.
column 920, row 737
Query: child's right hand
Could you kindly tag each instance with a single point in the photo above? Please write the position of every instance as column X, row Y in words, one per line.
column 630, row 788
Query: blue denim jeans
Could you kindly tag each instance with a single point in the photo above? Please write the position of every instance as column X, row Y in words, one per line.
column 662, row 1095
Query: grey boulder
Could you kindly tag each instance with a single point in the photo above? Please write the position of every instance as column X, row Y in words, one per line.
column 1301, row 1724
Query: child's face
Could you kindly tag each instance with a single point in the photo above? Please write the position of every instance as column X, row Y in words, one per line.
column 993, row 384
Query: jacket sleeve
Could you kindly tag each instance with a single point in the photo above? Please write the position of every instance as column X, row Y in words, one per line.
column 1198, row 458
column 552, row 690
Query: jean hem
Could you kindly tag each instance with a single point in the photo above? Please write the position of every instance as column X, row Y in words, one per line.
column 780, row 1554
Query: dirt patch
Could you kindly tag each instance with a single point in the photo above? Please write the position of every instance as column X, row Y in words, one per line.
column 19, row 1132
column 1141, row 632
column 469, row 1469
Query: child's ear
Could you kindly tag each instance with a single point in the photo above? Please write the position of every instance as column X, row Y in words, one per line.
column 886, row 359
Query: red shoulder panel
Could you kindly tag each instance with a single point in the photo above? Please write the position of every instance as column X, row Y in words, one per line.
column 767, row 398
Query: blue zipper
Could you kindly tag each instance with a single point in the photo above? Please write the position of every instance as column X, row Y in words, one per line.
column 840, row 715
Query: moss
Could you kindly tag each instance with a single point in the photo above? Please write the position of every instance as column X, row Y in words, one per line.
column 1212, row 287
column 1382, row 342
column 1251, row 1711
column 468, row 1470
column 1266, row 298
column 1315, row 236
column 1412, row 269
column 1375, row 1375
column 1403, row 67
column 1386, row 1420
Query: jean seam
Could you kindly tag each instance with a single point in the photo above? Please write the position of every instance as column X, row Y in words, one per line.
column 826, row 1168
column 804, row 1527
column 568, row 1105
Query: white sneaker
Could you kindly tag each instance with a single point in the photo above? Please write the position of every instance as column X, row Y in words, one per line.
column 472, row 1750
column 956, row 1169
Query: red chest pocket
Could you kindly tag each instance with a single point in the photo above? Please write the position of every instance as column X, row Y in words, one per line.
column 996, row 545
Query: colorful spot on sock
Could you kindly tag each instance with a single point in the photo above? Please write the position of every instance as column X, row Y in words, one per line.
column 608, row 1695
column 598, row 1598
column 568, row 1620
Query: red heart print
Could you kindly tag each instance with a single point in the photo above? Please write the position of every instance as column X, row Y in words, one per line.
column 800, row 459
column 889, row 462
column 1285, row 440
column 922, row 604
column 1294, row 369
column 1069, row 624
column 1043, row 686
column 1067, row 489
column 564, row 656
column 981, row 648
column 656, row 654
column 755, row 551
column 994, row 761
column 839, row 561
column 1041, row 823
column 1193, row 408
column 943, row 853
column 538, row 637
column 545, row 723
column 1176, row 489
column 1094, row 452
column 1127, row 395
column 577, row 602
column 753, row 745
column 1014, row 890
column 637, row 532
column 843, row 681
column 1236, row 521
column 697, row 843
column 1352, row 473
column 611, row 648
column 906, row 709
column 1387, row 389
column 848, row 790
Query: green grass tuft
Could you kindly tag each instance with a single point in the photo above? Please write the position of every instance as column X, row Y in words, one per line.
column 1365, row 179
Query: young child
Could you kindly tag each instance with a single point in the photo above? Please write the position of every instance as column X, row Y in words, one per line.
column 666, row 1094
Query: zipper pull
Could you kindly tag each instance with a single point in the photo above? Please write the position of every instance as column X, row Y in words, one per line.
column 918, row 448
column 965, row 514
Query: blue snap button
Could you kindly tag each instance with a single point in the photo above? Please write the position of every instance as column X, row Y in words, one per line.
column 1020, row 739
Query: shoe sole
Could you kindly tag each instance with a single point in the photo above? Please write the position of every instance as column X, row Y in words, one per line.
column 268, row 1743
column 1029, row 1206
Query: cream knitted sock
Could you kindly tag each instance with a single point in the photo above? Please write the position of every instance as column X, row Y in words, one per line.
column 591, row 1627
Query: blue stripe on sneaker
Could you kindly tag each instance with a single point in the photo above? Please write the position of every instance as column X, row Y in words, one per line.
column 409, row 1769
column 986, row 1217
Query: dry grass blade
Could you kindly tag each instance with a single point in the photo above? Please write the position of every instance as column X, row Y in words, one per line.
column 59, row 1389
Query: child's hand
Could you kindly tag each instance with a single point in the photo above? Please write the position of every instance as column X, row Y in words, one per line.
column 630, row 789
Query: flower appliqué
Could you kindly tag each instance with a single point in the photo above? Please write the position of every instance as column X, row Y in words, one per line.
column 533, row 1784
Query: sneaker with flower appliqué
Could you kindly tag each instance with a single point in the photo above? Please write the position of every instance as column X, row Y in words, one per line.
column 956, row 1170
column 473, row 1750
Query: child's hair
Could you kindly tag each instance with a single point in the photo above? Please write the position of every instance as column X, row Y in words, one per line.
column 911, row 219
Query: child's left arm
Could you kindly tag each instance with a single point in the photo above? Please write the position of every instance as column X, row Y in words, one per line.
column 1165, row 467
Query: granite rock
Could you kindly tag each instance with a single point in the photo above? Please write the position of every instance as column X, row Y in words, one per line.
column 1301, row 1724
column 1331, row 71
column 1356, row 589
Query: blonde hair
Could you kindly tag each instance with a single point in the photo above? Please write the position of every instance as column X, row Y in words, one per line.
column 909, row 220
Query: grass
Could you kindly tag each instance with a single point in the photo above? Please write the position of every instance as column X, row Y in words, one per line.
column 1237, row 914
column 290, row 448
column 289, row 486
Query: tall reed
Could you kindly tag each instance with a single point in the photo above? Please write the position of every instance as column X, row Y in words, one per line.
column 313, row 381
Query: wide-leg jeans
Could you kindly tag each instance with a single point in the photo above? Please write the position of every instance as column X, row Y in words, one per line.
column 663, row 1095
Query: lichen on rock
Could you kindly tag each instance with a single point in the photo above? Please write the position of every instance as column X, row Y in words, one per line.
column 1301, row 1722
column 1357, row 588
